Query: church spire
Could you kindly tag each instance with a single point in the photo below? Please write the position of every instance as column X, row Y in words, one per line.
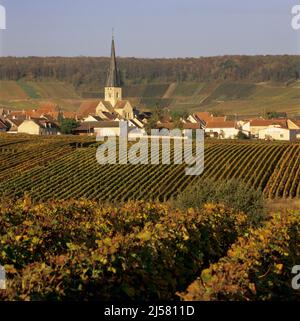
column 113, row 79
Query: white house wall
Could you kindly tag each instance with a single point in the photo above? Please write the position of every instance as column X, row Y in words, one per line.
column 275, row 133
column 228, row 132
column 115, row 131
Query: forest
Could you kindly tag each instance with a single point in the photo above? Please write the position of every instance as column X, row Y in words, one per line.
column 90, row 72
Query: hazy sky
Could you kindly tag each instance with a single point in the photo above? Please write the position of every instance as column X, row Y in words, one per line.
column 149, row 28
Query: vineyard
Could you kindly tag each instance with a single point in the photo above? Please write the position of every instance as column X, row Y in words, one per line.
column 66, row 167
column 72, row 229
column 84, row 250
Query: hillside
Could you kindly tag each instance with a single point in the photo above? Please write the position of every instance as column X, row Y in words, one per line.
column 225, row 84
column 42, row 164
column 221, row 97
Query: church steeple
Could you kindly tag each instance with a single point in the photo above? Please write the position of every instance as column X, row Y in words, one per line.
column 113, row 78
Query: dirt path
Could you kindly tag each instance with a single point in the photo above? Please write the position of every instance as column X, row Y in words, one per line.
column 170, row 90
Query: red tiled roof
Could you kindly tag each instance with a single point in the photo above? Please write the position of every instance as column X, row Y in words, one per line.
column 18, row 121
column 70, row 114
column 268, row 122
column 42, row 122
column 17, row 113
column 48, row 107
column 219, row 118
column 172, row 126
column 108, row 105
column 33, row 113
column 220, row 124
column 90, row 125
column 121, row 104
column 296, row 122
column 108, row 115
column 203, row 115
column 87, row 108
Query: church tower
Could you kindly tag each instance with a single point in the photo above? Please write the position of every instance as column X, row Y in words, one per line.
column 113, row 90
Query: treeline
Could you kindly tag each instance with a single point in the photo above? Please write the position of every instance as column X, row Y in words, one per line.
column 89, row 71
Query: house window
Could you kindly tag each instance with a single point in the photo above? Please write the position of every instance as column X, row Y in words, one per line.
column 117, row 95
column 281, row 135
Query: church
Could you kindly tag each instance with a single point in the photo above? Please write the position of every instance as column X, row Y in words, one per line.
column 113, row 103
column 105, row 116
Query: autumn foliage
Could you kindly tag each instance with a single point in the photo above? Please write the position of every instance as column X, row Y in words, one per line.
column 81, row 250
column 84, row 250
column 257, row 267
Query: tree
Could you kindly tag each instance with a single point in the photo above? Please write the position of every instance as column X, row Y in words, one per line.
column 275, row 114
column 68, row 125
column 242, row 135
column 60, row 117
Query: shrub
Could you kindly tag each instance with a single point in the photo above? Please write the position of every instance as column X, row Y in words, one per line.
column 232, row 193
column 241, row 135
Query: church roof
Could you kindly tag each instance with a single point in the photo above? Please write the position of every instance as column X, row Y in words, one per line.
column 121, row 104
column 87, row 108
column 107, row 105
column 113, row 76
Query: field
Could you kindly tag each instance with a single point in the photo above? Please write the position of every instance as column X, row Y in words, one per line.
column 30, row 94
column 72, row 229
column 225, row 97
column 81, row 250
column 66, row 167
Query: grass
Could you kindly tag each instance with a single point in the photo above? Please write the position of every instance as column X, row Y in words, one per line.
column 54, row 89
column 232, row 91
column 30, row 90
column 155, row 90
column 11, row 90
column 186, row 89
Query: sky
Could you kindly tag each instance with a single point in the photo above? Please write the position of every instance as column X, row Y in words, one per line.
column 148, row 28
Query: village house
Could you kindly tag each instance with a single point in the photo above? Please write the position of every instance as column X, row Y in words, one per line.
column 203, row 118
column 38, row 126
column 288, row 131
column 103, row 117
column 221, row 129
column 255, row 125
column 275, row 132
column 200, row 117
column 273, row 129
column 184, row 126
column 101, row 128
column 14, row 122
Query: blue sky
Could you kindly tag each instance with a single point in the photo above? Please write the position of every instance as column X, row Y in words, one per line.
column 149, row 28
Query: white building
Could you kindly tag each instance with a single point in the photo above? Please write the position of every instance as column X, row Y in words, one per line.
column 222, row 129
column 254, row 126
column 38, row 126
column 278, row 133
